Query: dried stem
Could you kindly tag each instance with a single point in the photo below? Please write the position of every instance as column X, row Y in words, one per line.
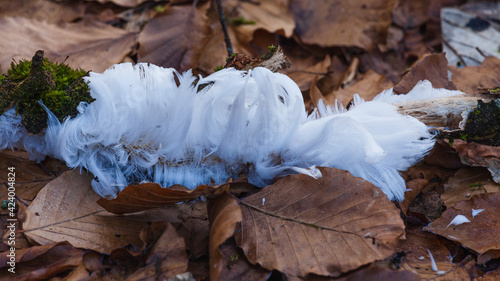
column 222, row 19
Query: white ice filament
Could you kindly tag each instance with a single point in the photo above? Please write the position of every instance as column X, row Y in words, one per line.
column 145, row 126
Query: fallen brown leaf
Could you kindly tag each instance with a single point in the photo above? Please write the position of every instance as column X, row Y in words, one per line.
column 476, row 154
column 417, row 259
column 176, row 37
column 372, row 273
column 481, row 233
column 43, row 10
column 272, row 16
column 304, row 77
column 236, row 267
column 224, row 213
column 165, row 253
column 92, row 47
column 79, row 273
column 491, row 276
column 333, row 80
column 66, row 210
column 436, row 176
column 367, row 87
column 315, row 94
column 29, row 178
column 473, row 79
column 339, row 23
column 325, row 226
column 41, row 262
column 467, row 182
column 433, row 68
column 414, row 188
column 123, row 3
column 443, row 155
column 135, row 198
column 194, row 227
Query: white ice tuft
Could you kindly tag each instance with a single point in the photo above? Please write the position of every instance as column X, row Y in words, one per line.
column 476, row 212
column 149, row 123
column 458, row 220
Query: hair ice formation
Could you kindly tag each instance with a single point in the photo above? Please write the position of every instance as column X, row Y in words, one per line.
column 146, row 126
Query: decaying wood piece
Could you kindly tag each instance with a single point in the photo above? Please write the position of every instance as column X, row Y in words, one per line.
column 470, row 123
column 442, row 114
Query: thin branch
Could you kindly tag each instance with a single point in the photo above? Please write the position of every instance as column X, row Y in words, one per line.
column 222, row 19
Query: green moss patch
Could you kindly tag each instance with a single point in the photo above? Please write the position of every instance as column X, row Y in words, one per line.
column 58, row 86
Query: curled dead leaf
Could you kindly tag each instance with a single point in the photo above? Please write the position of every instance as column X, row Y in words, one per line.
column 475, row 154
column 325, row 226
column 41, row 262
column 144, row 196
column 165, row 252
column 224, row 213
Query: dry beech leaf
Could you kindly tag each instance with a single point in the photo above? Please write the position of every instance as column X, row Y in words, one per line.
column 490, row 276
column 476, row 154
column 79, row 273
column 42, row 10
column 333, row 80
column 273, row 16
column 467, row 182
column 223, row 213
column 417, row 258
column 481, row 233
column 474, row 79
column 304, row 77
column 236, row 267
column 123, row 3
column 216, row 47
column 433, row 68
column 347, row 23
column 29, row 177
column 315, row 94
column 144, row 196
column 194, row 227
column 176, row 38
column 66, row 210
column 370, row 85
column 92, row 47
column 41, row 262
column 325, row 226
column 443, row 155
column 371, row 273
column 414, row 188
column 165, row 254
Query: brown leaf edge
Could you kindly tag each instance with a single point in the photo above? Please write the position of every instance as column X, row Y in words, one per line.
column 145, row 196
column 224, row 213
column 41, row 262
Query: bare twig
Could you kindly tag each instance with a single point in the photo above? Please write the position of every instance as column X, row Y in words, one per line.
column 222, row 19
